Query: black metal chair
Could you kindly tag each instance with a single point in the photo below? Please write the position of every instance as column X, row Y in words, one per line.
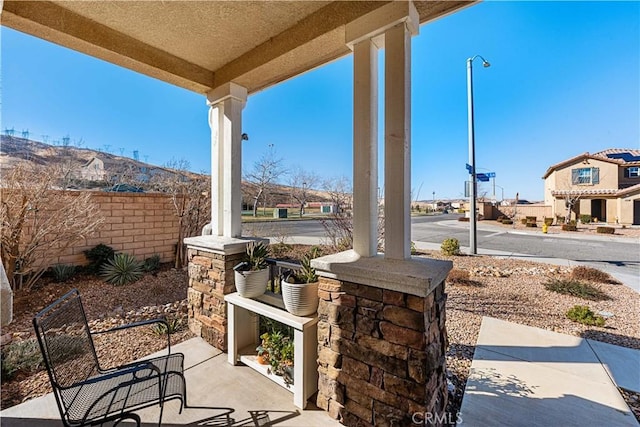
column 85, row 393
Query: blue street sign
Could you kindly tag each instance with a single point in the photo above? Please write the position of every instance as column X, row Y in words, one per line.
column 469, row 168
column 482, row 177
column 491, row 174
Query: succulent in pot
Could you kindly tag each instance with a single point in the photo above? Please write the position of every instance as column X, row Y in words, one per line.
column 300, row 289
column 252, row 274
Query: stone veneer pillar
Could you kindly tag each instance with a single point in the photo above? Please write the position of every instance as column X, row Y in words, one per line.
column 211, row 277
column 381, row 339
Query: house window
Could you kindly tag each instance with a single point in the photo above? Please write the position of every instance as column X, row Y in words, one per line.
column 632, row 172
column 585, row 176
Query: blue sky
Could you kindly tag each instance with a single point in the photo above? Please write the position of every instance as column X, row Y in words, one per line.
column 564, row 79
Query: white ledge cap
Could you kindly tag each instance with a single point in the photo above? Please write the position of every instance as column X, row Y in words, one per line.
column 225, row 245
column 417, row 276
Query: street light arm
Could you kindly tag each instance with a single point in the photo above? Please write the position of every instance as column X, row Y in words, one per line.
column 485, row 63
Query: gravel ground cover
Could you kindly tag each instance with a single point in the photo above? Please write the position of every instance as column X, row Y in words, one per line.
column 511, row 290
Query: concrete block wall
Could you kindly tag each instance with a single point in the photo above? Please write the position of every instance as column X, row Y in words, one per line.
column 381, row 354
column 142, row 224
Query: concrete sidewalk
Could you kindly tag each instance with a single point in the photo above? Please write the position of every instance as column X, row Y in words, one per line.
column 219, row 395
column 524, row 376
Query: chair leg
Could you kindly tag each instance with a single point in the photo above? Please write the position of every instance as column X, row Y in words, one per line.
column 131, row 416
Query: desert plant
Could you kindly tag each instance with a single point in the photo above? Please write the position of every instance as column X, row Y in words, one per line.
column 548, row 221
column 507, row 221
column 152, row 264
column 413, row 248
column 569, row 227
column 123, row 269
column 582, row 272
column 63, row 272
column 21, row 356
column 172, row 326
column 605, row 230
column 306, row 274
column 583, row 314
column 256, row 256
column 531, row 225
column 450, row 247
column 560, row 219
column 458, row 276
column 585, row 219
column 523, row 221
column 576, row 288
column 98, row 256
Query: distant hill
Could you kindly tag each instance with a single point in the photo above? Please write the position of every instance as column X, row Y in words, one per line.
column 15, row 150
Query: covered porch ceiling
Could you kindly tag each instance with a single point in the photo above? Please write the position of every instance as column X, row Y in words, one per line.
column 201, row 45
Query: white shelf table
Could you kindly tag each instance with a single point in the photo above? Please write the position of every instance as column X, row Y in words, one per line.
column 243, row 338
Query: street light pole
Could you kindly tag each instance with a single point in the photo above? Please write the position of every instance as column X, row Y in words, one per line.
column 473, row 232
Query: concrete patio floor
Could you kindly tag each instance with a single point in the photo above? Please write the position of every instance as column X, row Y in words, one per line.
column 524, row 376
column 214, row 387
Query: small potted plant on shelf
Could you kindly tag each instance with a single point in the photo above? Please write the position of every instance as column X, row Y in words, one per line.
column 252, row 274
column 277, row 348
column 300, row 289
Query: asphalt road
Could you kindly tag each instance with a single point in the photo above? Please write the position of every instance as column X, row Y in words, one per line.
column 620, row 257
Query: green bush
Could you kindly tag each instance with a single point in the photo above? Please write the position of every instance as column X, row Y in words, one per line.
column 576, row 288
column 122, row 270
column 63, row 272
column 450, row 247
column 548, row 221
column 98, row 256
column 532, row 225
column 21, row 356
column 532, row 219
column 585, row 219
column 560, row 219
column 161, row 329
column 605, row 230
column 414, row 251
column 523, row 221
column 569, row 227
column 507, row 221
column 582, row 314
column 152, row 264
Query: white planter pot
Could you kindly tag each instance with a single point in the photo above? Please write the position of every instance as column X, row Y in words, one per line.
column 251, row 284
column 300, row 299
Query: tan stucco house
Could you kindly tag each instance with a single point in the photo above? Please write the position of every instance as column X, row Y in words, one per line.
column 605, row 185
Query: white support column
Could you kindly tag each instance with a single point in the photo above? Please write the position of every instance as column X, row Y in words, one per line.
column 397, row 148
column 225, row 119
column 365, row 148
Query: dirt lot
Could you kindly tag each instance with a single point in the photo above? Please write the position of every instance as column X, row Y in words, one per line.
column 511, row 290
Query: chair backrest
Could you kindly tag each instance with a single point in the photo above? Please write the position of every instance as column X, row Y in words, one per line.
column 65, row 341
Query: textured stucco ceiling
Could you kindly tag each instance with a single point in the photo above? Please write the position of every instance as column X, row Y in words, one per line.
column 200, row 45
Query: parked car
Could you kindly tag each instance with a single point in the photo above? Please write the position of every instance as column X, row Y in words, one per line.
column 125, row 188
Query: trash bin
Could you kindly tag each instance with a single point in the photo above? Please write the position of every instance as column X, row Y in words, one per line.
column 279, row 213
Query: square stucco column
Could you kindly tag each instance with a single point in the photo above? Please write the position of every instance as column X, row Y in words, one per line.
column 225, row 119
column 397, row 145
column 365, row 148
column 391, row 27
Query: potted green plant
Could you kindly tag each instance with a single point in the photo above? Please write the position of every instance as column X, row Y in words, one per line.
column 252, row 274
column 300, row 289
column 279, row 348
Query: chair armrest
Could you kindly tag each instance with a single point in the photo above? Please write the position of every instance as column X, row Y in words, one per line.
column 137, row 324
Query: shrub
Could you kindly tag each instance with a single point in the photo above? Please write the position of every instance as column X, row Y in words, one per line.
column 532, row 225
column 507, row 221
column 560, row 219
column 152, row 264
column 122, row 270
column 605, row 230
column 21, row 356
column 582, row 314
column 500, row 218
column 161, row 329
column 548, row 221
column 63, row 272
column 414, row 251
column 98, row 256
column 463, row 219
column 532, row 219
column 450, row 247
column 569, row 227
column 576, row 288
column 523, row 221
column 458, row 276
column 591, row 274
column 585, row 219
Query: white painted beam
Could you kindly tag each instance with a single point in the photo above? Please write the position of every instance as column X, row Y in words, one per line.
column 225, row 119
column 365, row 148
column 397, row 197
column 373, row 25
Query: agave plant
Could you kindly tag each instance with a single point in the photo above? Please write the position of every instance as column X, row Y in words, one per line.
column 257, row 253
column 63, row 272
column 122, row 270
